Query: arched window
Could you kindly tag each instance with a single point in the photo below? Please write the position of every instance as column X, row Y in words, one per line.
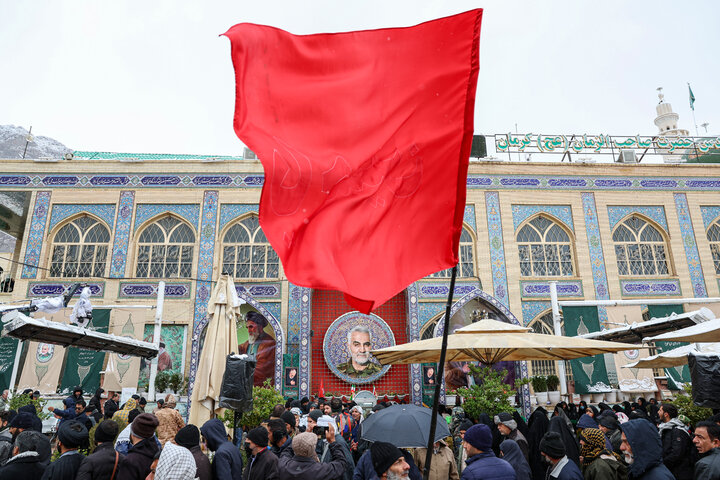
column 713, row 236
column 466, row 267
column 247, row 253
column 80, row 249
column 544, row 324
column 545, row 249
column 165, row 249
column 640, row 248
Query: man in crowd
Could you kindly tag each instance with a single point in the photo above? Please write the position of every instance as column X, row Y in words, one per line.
column 389, row 462
column 322, row 448
column 262, row 463
column 25, row 461
column 642, row 450
column 6, row 438
column 111, row 405
column 170, row 420
column 227, row 463
column 482, row 464
column 175, row 463
column 676, row 442
column 104, row 461
column 707, row 442
column 443, row 465
column 4, row 401
column 560, row 467
column 143, row 450
column 261, row 346
column 508, row 429
column 189, row 437
column 304, row 465
column 71, row 436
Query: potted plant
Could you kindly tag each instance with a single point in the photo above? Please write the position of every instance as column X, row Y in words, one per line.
column 612, row 395
column 176, row 383
column 553, row 382
column 539, row 384
column 162, row 381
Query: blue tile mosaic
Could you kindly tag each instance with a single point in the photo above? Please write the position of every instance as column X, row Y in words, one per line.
column 563, row 213
column 654, row 213
column 710, row 214
column 597, row 258
column 650, row 288
column 36, row 235
column 146, row 211
column 61, row 211
column 530, row 310
column 541, row 289
column 122, row 234
column 691, row 251
column 497, row 249
column 469, row 217
column 231, row 211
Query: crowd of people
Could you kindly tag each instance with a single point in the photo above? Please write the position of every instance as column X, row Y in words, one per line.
column 313, row 439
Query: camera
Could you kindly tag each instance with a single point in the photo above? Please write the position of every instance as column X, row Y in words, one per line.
column 320, row 431
column 322, row 425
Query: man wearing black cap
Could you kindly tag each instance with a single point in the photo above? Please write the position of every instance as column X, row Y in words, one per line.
column 25, row 462
column 262, row 463
column 508, row 428
column 482, row 464
column 143, row 450
column 389, row 462
column 104, row 461
column 189, row 437
column 560, row 467
column 71, row 436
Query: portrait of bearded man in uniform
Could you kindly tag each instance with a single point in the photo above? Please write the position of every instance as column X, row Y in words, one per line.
column 259, row 345
column 361, row 364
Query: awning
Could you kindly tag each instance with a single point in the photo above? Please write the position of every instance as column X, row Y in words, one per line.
column 21, row 326
column 636, row 332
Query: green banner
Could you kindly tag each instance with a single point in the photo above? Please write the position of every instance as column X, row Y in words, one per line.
column 676, row 376
column 590, row 373
column 8, row 348
column 291, row 377
column 83, row 367
column 171, row 357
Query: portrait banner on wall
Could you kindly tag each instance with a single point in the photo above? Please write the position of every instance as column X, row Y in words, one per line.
column 121, row 370
column 347, row 345
column 676, row 376
column 44, row 361
column 83, row 366
column 256, row 337
column 290, row 375
column 171, row 356
column 8, row 348
column 630, row 379
column 590, row 373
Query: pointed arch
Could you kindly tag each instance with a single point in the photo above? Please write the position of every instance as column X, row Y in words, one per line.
column 165, row 247
column 466, row 252
column 713, row 236
column 80, row 247
column 546, row 247
column 543, row 323
column 245, row 253
column 641, row 247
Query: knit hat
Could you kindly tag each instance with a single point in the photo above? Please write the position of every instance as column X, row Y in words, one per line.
column 383, row 455
column 506, row 419
column 106, row 431
column 586, row 421
column 315, row 414
column 72, row 434
column 144, row 425
column 479, row 436
column 304, row 445
column 552, row 445
column 288, row 418
column 609, row 422
column 464, row 425
column 188, row 436
column 259, row 436
column 22, row 420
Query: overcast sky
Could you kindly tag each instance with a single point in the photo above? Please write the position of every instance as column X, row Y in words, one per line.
column 154, row 76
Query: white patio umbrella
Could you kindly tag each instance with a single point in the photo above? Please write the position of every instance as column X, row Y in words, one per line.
column 675, row 357
column 702, row 332
column 220, row 341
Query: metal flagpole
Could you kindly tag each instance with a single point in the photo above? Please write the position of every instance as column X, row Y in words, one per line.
column 440, row 373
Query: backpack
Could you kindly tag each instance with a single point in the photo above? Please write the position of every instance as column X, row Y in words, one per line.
column 345, row 423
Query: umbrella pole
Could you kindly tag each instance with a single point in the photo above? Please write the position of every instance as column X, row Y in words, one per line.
column 440, row 374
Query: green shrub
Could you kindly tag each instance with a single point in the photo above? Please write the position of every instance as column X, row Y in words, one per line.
column 539, row 383
column 683, row 402
column 492, row 396
column 264, row 400
column 18, row 401
column 162, row 381
column 553, row 382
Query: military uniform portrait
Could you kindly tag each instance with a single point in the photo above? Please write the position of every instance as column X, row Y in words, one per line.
column 348, row 344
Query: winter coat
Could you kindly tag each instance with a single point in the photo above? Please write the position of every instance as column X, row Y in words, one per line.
column 324, row 455
column 708, row 467
column 263, row 466
column 677, row 446
column 443, row 465
column 25, row 465
column 572, row 448
column 204, row 470
column 605, row 467
column 170, row 423
column 6, row 446
column 364, row 469
column 95, row 400
column 100, row 464
column 647, row 451
column 486, row 466
column 65, row 467
column 292, row 467
column 110, row 408
column 227, row 463
column 569, row 471
column 138, row 460
column 537, row 428
column 123, row 414
column 513, row 455
column 521, row 441
column 36, row 422
column 586, row 421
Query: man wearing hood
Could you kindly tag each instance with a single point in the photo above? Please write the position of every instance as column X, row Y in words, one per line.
column 598, row 463
column 36, row 422
column 676, row 442
column 71, row 435
column 189, row 437
column 707, row 442
column 122, row 415
column 643, row 451
column 610, row 426
column 143, row 450
column 25, row 462
column 227, row 463
column 508, row 428
column 77, row 395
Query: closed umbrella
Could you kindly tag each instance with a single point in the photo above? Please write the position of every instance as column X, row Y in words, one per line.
column 702, row 332
column 676, row 357
column 490, row 341
column 220, row 341
column 405, row 426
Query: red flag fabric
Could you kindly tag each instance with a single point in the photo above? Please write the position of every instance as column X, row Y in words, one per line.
column 365, row 141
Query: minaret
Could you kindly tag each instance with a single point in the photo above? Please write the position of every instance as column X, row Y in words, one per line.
column 667, row 122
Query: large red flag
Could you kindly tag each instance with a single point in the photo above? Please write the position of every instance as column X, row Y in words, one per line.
column 365, row 141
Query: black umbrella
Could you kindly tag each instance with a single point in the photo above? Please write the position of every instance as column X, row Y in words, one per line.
column 405, row 426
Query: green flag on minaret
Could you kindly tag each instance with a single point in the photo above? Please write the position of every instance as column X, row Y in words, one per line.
column 692, row 98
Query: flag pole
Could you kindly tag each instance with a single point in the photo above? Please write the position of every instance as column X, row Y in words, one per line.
column 439, row 376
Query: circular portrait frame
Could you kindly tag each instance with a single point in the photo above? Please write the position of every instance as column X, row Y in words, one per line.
column 336, row 350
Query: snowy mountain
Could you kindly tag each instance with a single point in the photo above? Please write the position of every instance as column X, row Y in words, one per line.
column 13, row 139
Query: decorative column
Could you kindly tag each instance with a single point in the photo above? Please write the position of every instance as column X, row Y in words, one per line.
column 123, row 223
column 206, row 253
column 36, row 235
column 497, row 249
column 691, row 251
